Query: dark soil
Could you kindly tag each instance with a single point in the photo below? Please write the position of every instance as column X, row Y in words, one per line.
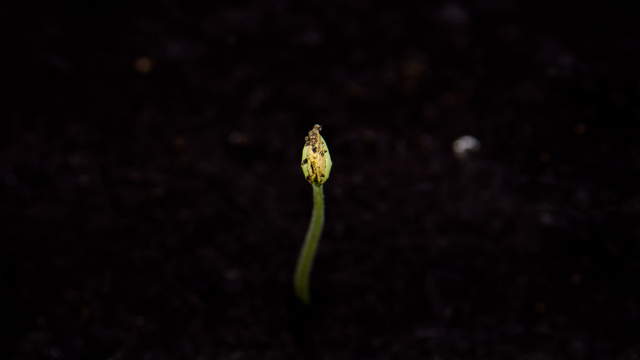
column 153, row 205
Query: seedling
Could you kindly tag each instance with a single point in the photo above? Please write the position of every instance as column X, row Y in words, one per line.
column 316, row 166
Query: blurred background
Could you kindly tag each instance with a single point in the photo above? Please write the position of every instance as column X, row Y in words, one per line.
column 153, row 205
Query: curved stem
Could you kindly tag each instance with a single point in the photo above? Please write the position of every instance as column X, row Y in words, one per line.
column 308, row 252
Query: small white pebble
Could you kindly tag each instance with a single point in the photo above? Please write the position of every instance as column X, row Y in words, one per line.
column 465, row 145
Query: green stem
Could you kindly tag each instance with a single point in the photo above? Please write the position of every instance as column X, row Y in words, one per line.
column 308, row 252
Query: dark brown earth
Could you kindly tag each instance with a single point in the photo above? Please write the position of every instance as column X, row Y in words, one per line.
column 153, row 205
